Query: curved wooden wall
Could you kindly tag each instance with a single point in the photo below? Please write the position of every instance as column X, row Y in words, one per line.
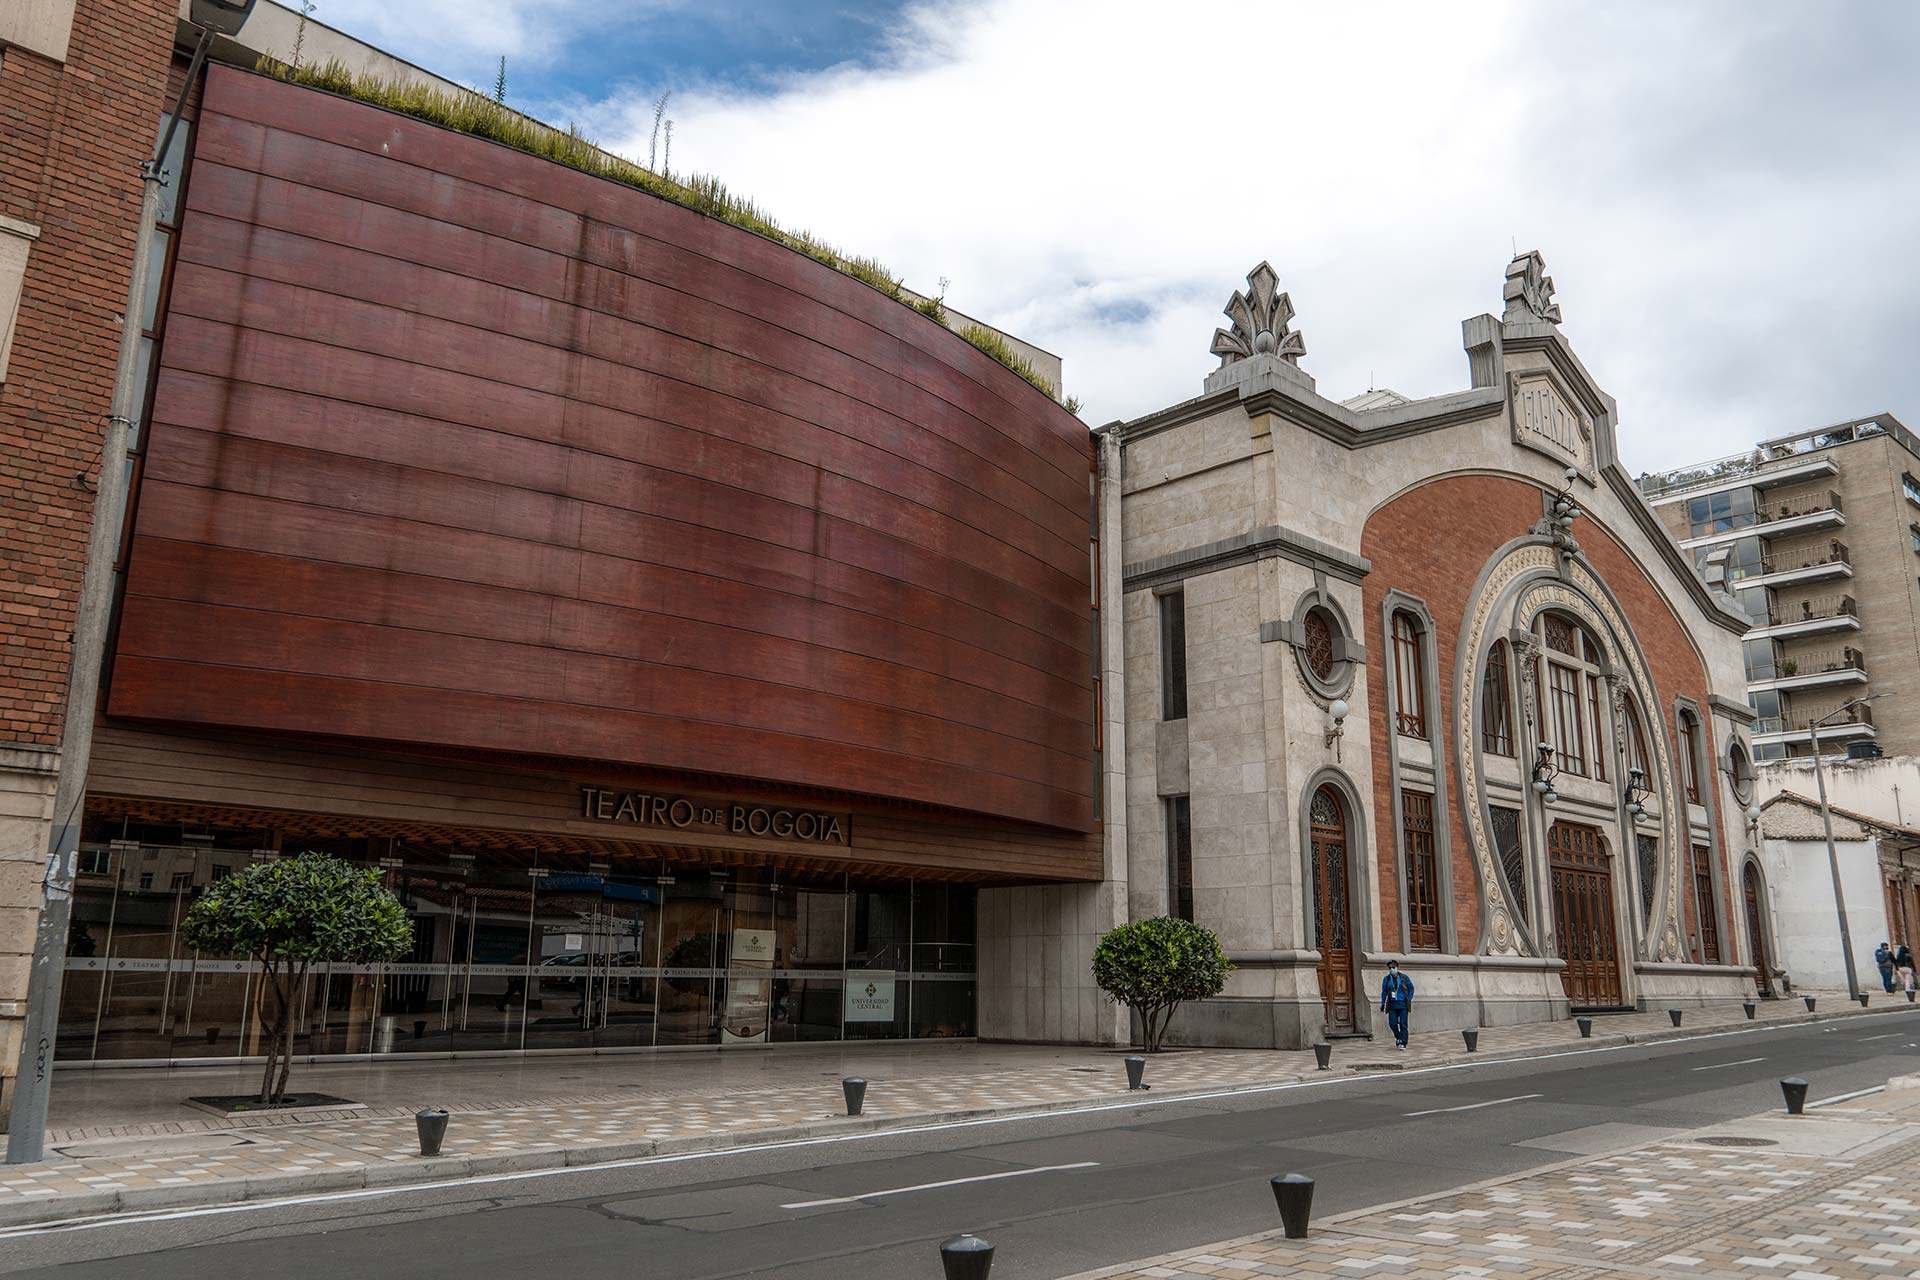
column 456, row 446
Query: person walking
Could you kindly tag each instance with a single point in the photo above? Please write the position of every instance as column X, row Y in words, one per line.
column 1903, row 963
column 1883, row 957
column 1396, row 1000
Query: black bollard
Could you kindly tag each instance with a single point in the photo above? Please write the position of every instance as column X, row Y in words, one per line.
column 856, row 1090
column 1586, row 1027
column 1136, row 1068
column 1794, row 1090
column 1472, row 1036
column 432, row 1124
column 1323, row 1054
column 1675, row 1015
column 1862, row 997
column 1751, row 1008
column 1909, row 995
column 1294, row 1195
column 966, row 1257
column 1809, row 1000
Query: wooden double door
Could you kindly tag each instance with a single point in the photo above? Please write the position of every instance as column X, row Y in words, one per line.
column 1583, row 915
column 1333, row 918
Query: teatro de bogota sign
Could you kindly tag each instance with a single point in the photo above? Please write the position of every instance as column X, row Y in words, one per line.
column 716, row 817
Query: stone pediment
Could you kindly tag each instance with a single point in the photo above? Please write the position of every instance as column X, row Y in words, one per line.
column 1547, row 417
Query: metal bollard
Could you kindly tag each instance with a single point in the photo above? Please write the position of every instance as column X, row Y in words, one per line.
column 432, row 1124
column 1750, row 1007
column 1863, row 999
column 1472, row 1036
column 1809, row 1000
column 1794, row 1090
column 966, row 1257
column 1294, row 1194
column 1136, row 1068
column 1675, row 1015
column 1586, row 1027
column 1909, row 995
column 856, row 1090
column 1323, row 1054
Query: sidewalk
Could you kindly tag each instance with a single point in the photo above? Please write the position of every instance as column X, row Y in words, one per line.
column 1827, row 1196
column 131, row 1144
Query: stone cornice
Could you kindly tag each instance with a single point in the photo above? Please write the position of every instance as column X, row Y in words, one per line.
column 1321, row 416
column 1738, row 712
column 1259, row 544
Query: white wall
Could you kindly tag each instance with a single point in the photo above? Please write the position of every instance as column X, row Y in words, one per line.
column 1805, row 925
column 1887, row 788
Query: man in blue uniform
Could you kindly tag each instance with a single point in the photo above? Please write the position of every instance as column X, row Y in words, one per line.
column 1396, row 998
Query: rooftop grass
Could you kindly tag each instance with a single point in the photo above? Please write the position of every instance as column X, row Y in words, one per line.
column 482, row 117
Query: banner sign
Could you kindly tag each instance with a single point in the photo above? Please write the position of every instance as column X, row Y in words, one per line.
column 869, row 995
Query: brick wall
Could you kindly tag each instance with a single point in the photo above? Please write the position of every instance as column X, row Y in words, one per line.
column 1478, row 515
column 76, row 133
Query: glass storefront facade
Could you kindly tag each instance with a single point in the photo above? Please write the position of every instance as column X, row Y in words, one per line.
column 520, row 952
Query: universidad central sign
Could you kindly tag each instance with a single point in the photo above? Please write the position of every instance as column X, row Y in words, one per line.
column 716, row 817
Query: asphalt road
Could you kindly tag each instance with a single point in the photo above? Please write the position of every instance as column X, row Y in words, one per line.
column 1056, row 1194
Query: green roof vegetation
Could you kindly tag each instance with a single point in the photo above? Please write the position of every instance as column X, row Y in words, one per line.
column 482, row 117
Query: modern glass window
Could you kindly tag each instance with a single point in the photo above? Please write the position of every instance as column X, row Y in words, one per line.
column 1180, row 857
column 1689, row 758
column 1409, row 685
column 1719, row 512
column 1763, row 659
column 1746, row 557
column 1754, row 603
column 1496, row 704
column 1423, row 876
column 1173, row 656
column 1913, row 535
column 1910, row 487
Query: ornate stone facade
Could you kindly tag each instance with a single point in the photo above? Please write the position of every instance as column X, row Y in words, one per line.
column 1479, row 622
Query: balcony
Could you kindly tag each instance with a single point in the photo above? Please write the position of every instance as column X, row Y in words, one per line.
column 1816, row 615
column 1742, row 469
column 1857, row 723
column 1817, row 669
column 1790, row 566
column 1801, row 513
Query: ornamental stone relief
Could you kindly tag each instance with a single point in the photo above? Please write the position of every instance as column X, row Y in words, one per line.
column 1501, row 935
column 1544, row 421
column 1261, row 317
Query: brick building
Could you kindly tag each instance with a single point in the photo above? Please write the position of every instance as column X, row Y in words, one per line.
column 82, row 89
column 1384, row 699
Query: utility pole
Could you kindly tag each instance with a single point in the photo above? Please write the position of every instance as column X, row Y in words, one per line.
column 1833, row 856
column 27, row 1121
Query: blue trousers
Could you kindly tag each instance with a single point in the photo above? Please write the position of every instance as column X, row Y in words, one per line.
column 1397, row 1023
column 1886, row 978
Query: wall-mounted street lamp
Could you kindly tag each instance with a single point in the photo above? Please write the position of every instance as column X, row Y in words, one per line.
column 1637, row 792
column 1564, row 512
column 1544, row 773
column 1339, row 711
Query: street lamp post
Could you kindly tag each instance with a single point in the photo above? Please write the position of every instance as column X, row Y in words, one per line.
column 1833, row 856
column 27, row 1121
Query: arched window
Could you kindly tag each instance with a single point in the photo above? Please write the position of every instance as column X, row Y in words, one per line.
column 1496, row 704
column 1690, row 757
column 1408, row 685
column 1570, row 699
column 1637, row 745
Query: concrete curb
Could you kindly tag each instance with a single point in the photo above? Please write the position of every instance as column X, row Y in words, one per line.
column 50, row 1210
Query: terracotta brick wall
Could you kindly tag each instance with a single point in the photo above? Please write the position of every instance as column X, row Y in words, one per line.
column 75, row 134
column 1478, row 515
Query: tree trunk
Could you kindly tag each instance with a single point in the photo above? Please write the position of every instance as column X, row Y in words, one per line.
column 296, row 985
column 272, row 982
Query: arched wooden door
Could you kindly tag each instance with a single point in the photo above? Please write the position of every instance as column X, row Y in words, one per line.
column 1756, row 934
column 1333, row 920
column 1583, row 917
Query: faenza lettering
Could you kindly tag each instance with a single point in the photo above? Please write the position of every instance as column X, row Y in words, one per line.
column 683, row 814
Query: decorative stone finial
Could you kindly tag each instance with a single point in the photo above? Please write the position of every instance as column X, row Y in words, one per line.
column 1529, row 290
column 1260, row 318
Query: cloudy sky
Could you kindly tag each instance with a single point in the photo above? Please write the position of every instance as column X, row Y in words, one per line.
column 1727, row 194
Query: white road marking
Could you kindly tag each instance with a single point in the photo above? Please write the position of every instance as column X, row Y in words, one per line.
column 96, row 1221
column 1846, row 1097
column 935, row 1186
column 1717, row 1065
column 1475, row 1106
column 1890, row 1035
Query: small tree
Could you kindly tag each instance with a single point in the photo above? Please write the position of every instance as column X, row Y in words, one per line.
column 284, row 916
column 1151, row 966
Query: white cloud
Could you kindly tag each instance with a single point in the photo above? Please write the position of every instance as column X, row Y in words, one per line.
column 1725, row 193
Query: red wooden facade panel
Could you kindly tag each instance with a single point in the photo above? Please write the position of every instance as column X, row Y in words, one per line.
column 461, row 449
